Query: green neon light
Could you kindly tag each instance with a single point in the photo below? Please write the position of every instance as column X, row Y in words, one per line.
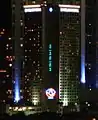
column 50, row 57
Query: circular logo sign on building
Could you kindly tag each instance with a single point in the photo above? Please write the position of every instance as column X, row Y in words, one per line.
column 50, row 93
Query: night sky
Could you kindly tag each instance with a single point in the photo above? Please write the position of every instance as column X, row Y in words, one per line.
column 5, row 14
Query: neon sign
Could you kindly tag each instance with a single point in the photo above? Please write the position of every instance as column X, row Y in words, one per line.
column 50, row 57
column 50, row 93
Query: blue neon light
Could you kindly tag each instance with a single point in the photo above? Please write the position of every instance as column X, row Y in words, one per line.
column 50, row 9
column 17, row 88
column 17, row 96
column 83, row 69
column 50, row 57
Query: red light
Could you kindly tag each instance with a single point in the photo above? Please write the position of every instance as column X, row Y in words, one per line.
column 2, row 71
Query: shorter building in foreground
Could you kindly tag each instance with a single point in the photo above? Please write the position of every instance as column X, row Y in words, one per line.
column 26, row 109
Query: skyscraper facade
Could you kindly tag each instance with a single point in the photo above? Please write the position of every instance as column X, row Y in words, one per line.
column 96, row 44
column 17, row 39
column 45, row 39
column 32, row 57
column 89, row 40
column 64, row 94
column 6, row 59
column 46, row 68
column 69, row 57
column 50, row 53
column 91, row 44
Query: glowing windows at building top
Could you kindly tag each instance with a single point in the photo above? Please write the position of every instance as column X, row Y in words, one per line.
column 63, row 8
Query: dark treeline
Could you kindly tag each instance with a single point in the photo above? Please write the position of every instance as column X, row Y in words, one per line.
column 49, row 116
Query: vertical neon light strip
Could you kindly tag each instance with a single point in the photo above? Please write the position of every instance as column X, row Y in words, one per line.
column 83, row 41
column 17, row 84
column 18, row 33
column 50, row 57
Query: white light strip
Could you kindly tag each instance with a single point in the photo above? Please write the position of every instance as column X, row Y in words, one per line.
column 31, row 6
column 60, row 5
column 69, row 10
column 32, row 10
column 63, row 8
column 69, row 6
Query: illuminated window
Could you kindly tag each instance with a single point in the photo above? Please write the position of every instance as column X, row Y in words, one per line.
column 7, row 45
column 10, row 65
column 21, row 45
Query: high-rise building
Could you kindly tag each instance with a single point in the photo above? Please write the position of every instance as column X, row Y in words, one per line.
column 6, row 59
column 32, row 57
column 89, row 13
column 91, row 83
column 50, row 54
column 70, row 19
column 91, row 44
column 17, row 39
column 96, row 16
column 46, row 40
column 89, row 41
column 43, row 36
column 69, row 57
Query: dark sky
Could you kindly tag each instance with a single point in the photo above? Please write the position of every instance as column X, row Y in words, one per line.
column 5, row 14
